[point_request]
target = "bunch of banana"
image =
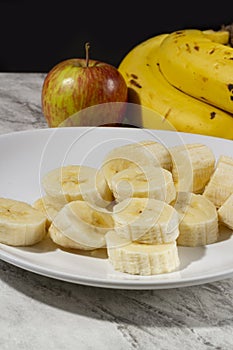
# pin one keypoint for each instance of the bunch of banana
(196, 65)
(182, 81)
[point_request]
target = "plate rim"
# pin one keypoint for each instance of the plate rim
(120, 283)
(113, 284)
(137, 129)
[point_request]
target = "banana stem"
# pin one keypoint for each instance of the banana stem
(229, 28)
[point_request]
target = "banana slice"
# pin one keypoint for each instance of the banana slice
(141, 259)
(220, 186)
(77, 182)
(59, 239)
(192, 166)
(225, 212)
(159, 152)
(135, 154)
(81, 222)
(147, 181)
(20, 223)
(48, 206)
(198, 220)
(146, 220)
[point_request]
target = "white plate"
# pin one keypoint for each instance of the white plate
(25, 156)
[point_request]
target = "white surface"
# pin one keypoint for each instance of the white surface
(32, 153)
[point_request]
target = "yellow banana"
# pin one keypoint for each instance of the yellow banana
(198, 66)
(162, 105)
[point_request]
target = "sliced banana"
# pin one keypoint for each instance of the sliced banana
(135, 154)
(146, 220)
(192, 166)
(77, 182)
(81, 222)
(198, 220)
(61, 240)
(141, 259)
(159, 152)
(220, 186)
(48, 206)
(146, 181)
(225, 212)
(20, 223)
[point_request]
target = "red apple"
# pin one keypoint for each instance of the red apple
(75, 84)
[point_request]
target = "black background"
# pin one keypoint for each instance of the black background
(36, 35)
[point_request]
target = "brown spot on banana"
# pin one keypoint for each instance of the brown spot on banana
(166, 115)
(135, 83)
(179, 33)
(230, 88)
(211, 51)
(212, 115)
(188, 47)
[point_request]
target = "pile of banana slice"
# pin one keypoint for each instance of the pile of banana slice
(142, 203)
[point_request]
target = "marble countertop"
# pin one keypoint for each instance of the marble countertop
(38, 313)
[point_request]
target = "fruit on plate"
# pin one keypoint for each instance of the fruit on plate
(162, 104)
(141, 235)
(77, 182)
(146, 220)
(193, 165)
(48, 206)
(82, 223)
(198, 220)
(75, 84)
(196, 65)
(225, 212)
(139, 258)
(20, 223)
(144, 182)
(220, 186)
(145, 152)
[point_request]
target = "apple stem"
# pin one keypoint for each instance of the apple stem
(87, 47)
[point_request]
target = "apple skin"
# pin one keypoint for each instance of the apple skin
(72, 86)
